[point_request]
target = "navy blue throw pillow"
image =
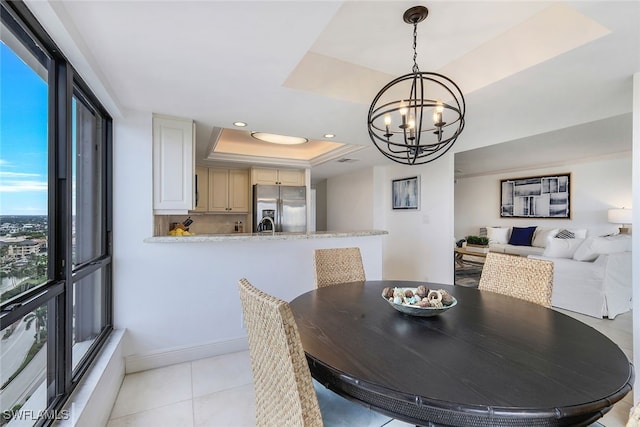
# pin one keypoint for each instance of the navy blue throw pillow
(521, 236)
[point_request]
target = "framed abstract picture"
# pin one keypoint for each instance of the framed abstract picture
(405, 193)
(536, 197)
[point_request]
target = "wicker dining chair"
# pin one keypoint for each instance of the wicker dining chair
(520, 277)
(634, 417)
(286, 394)
(283, 387)
(338, 265)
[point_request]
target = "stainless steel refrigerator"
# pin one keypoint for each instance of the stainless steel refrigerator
(286, 205)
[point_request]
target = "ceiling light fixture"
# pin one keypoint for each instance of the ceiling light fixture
(416, 117)
(239, 124)
(329, 135)
(278, 139)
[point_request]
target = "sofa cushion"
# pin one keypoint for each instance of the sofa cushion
(593, 247)
(580, 233)
(562, 248)
(498, 235)
(522, 236)
(565, 234)
(504, 248)
(574, 233)
(542, 236)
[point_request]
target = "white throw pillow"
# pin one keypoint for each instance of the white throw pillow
(542, 236)
(498, 235)
(593, 247)
(562, 248)
(580, 233)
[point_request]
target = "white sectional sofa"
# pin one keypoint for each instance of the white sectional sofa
(505, 248)
(592, 272)
(500, 239)
(601, 288)
(591, 276)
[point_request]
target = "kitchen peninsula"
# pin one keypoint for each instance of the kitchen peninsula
(264, 236)
(200, 275)
(187, 285)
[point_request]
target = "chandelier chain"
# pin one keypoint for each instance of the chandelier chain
(415, 45)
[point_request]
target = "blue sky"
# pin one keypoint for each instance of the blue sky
(23, 137)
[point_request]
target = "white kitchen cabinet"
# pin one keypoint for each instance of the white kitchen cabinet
(173, 165)
(290, 177)
(201, 201)
(270, 176)
(228, 190)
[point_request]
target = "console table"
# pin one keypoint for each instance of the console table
(461, 252)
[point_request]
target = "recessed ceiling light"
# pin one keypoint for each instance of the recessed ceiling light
(278, 139)
(329, 135)
(239, 124)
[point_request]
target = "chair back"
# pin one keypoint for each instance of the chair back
(338, 265)
(634, 417)
(282, 381)
(520, 277)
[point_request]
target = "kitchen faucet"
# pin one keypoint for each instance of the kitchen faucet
(273, 226)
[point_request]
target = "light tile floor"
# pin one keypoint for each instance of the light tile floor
(218, 391)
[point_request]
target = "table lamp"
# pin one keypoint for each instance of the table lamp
(620, 216)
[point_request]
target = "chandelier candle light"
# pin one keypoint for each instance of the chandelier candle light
(416, 117)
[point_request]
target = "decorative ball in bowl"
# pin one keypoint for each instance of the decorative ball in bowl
(420, 301)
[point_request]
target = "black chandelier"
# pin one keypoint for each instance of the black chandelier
(416, 117)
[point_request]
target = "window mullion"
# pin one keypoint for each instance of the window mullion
(60, 354)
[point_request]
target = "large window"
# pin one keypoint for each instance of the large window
(55, 223)
(24, 165)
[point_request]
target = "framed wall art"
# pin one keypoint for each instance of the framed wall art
(536, 197)
(405, 193)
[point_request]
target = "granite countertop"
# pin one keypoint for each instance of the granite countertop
(262, 236)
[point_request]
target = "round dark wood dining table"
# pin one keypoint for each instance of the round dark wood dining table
(491, 360)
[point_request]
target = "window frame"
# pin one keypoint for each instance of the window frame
(57, 292)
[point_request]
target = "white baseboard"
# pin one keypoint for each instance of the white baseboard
(159, 359)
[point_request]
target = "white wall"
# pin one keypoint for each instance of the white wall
(636, 237)
(321, 205)
(595, 187)
(350, 201)
(419, 244)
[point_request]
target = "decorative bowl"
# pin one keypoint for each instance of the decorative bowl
(414, 310)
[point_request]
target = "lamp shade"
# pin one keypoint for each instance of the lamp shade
(620, 216)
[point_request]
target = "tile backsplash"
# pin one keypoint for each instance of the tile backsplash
(202, 223)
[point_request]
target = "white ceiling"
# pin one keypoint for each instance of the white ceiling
(606, 138)
(532, 72)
